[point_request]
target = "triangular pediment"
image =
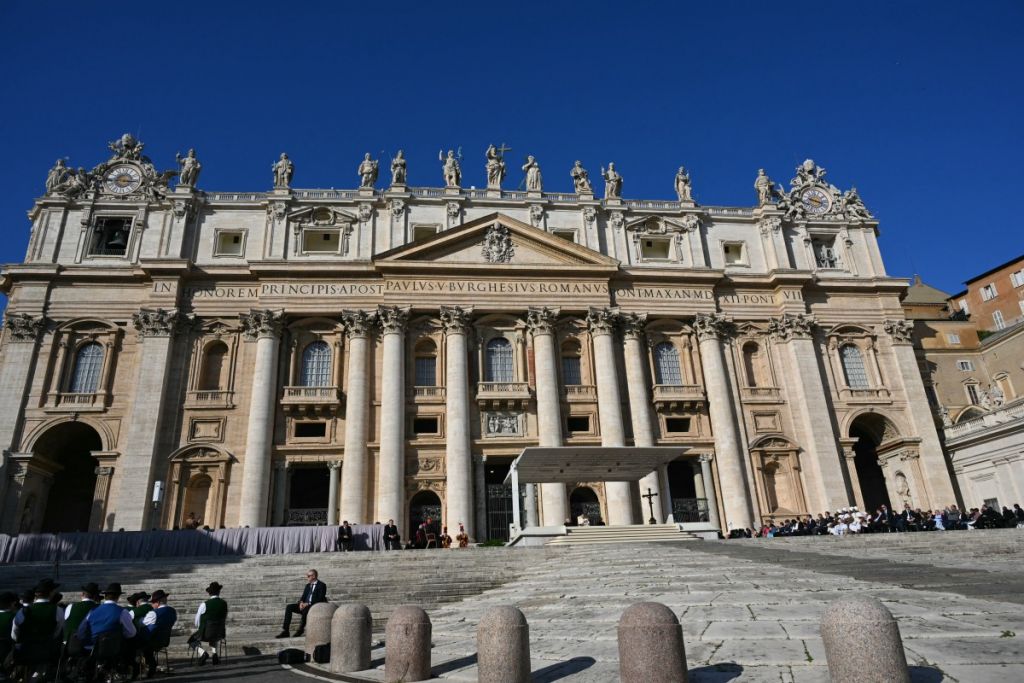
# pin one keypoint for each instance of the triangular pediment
(496, 241)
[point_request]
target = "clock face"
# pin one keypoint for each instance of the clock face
(815, 201)
(123, 179)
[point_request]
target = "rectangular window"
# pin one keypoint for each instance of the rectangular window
(229, 243)
(988, 292)
(972, 394)
(571, 374)
(426, 372)
(1017, 278)
(1021, 304)
(965, 365)
(310, 430)
(321, 241)
(567, 235)
(677, 425)
(425, 425)
(825, 253)
(110, 236)
(997, 319)
(654, 249)
(422, 232)
(577, 424)
(734, 255)
(952, 338)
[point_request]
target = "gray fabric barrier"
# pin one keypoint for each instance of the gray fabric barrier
(145, 545)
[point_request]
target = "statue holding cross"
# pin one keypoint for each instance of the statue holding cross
(496, 166)
(650, 496)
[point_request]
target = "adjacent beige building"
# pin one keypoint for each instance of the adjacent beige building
(305, 356)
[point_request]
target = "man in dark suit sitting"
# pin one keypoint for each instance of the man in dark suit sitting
(392, 540)
(314, 592)
(345, 536)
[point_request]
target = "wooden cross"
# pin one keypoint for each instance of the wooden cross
(503, 149)
(650, 496)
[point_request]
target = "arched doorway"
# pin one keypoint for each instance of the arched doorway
(65, 482)
(871, 430)
(583, 501)
(423, 506)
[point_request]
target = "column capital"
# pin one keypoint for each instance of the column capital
(705, 458)
(712, 326)
(358, 323)
(159, 322)
(456, 320)
(261, 323)
(602, 320)
(788, 326)
(22, 327)
(633, 325)
(770, 224)
(542, 320)
(334, 464)
(901, 331)
(392, 319)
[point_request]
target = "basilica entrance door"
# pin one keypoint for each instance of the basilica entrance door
(869, 472)
(424, 505)
(686, 506)
(583, 501)
(308, 495)
(67, 449)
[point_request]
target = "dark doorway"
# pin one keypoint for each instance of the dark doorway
(424, 505)
(869, 431)
(69, 504)
(499, 501)
(686, 506)
(583, 501)
(308, 494)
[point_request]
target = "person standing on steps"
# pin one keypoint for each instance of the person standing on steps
(314, 592)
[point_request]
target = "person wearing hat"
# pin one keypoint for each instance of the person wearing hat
(158, 622)
(140, 607)
(215, 609)
(106, 617)
(9, 603)
(37, 628)
(77, 611)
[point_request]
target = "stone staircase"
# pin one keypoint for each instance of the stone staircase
(591, 535)
(258, 588)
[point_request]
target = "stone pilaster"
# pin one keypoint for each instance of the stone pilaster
(732, 466)
(104, 475)
(358, 326)
(810, 404)
(391, 471)
(16, 366)
(640, 401)
(541, 322)
(458, 456)
(480, 489)
(264, 327)
(601, 323)
(139, 462)
(280, 492)
(709, 490)
(334, 472)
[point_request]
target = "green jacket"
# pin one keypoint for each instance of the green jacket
(79, 611)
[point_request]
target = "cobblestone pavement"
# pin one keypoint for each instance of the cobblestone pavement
(750, 610)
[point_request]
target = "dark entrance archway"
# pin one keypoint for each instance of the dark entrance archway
(424, 505)
(686, 506)
(67, 449)
(870, 431)
(583, 501)
(308, 495)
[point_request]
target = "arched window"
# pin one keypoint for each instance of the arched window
(572, 373)
(853, 367)
(316, 365)
(85, 378)
(666, 364)
(498, 361)
(426, 364)
(213, 367)
(751, 361)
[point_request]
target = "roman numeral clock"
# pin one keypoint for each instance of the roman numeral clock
(122, 179)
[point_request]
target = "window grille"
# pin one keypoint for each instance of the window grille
(86, 376)
(426, 371)
(666, 365)
(853, 368)
(498, 361)
(571, 373)
(316, 365)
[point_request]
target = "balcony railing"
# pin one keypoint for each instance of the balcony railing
(307, 517)
(580, 392)
(766, 394)
(89, 401)
(209, 398)
(499, 394)
(1005, 413)
(864, 395)
(428, 394)
(314, 398)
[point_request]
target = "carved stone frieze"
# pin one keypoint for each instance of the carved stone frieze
(365, 212)
(158, 322)
(616, 219)
(392, 319)
(502, 423)
(589, 214)
(799, 326)
(456, 320)
(22, 327)
(536, 215)
(453, 209)
(261, 323)
(712, 326)
(901, 331)
(602, 320)
(769, 225)
(397, 207)
(541, 320)
(358, 323)
(497, 246)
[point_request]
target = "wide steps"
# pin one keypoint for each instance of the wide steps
(594, 535)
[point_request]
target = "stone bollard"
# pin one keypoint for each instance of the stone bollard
(318, 625)
(503, 647)
(350, 639)
(863, 643)
(407, 646)
(651, 645)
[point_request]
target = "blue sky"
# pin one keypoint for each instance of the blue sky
(917, 104)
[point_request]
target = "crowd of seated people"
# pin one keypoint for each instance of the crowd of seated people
(883, 520)
(44, 637)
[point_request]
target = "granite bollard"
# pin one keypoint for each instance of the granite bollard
(651, 645)
(863, 643)
(407, 646)
(318, 625)
(503, 646)
(351, 630)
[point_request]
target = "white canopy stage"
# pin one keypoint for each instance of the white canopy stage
(569, 464)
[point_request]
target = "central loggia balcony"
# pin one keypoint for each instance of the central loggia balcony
(579, 393)
(871, 395)
(210, 398)
(678, 396)
(503, 394)
(78, 402)
(311, 399)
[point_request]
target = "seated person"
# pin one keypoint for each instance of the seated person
(109, 617)
(76, 612)
(345, 536)
(392, 539)
(9, 603)
(37, 628)
(213, 610)
(159, 622)
(314, 591)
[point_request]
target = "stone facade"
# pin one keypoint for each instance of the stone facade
(303, 356)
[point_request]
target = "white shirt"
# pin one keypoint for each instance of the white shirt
(202, 609)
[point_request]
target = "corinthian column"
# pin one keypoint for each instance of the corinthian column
(458, 458)
(728, 449)
(156, 329)
(640, 400)
(391, 482)
(265, 327)
(541, 321)
(601, 323)
(357, 409)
